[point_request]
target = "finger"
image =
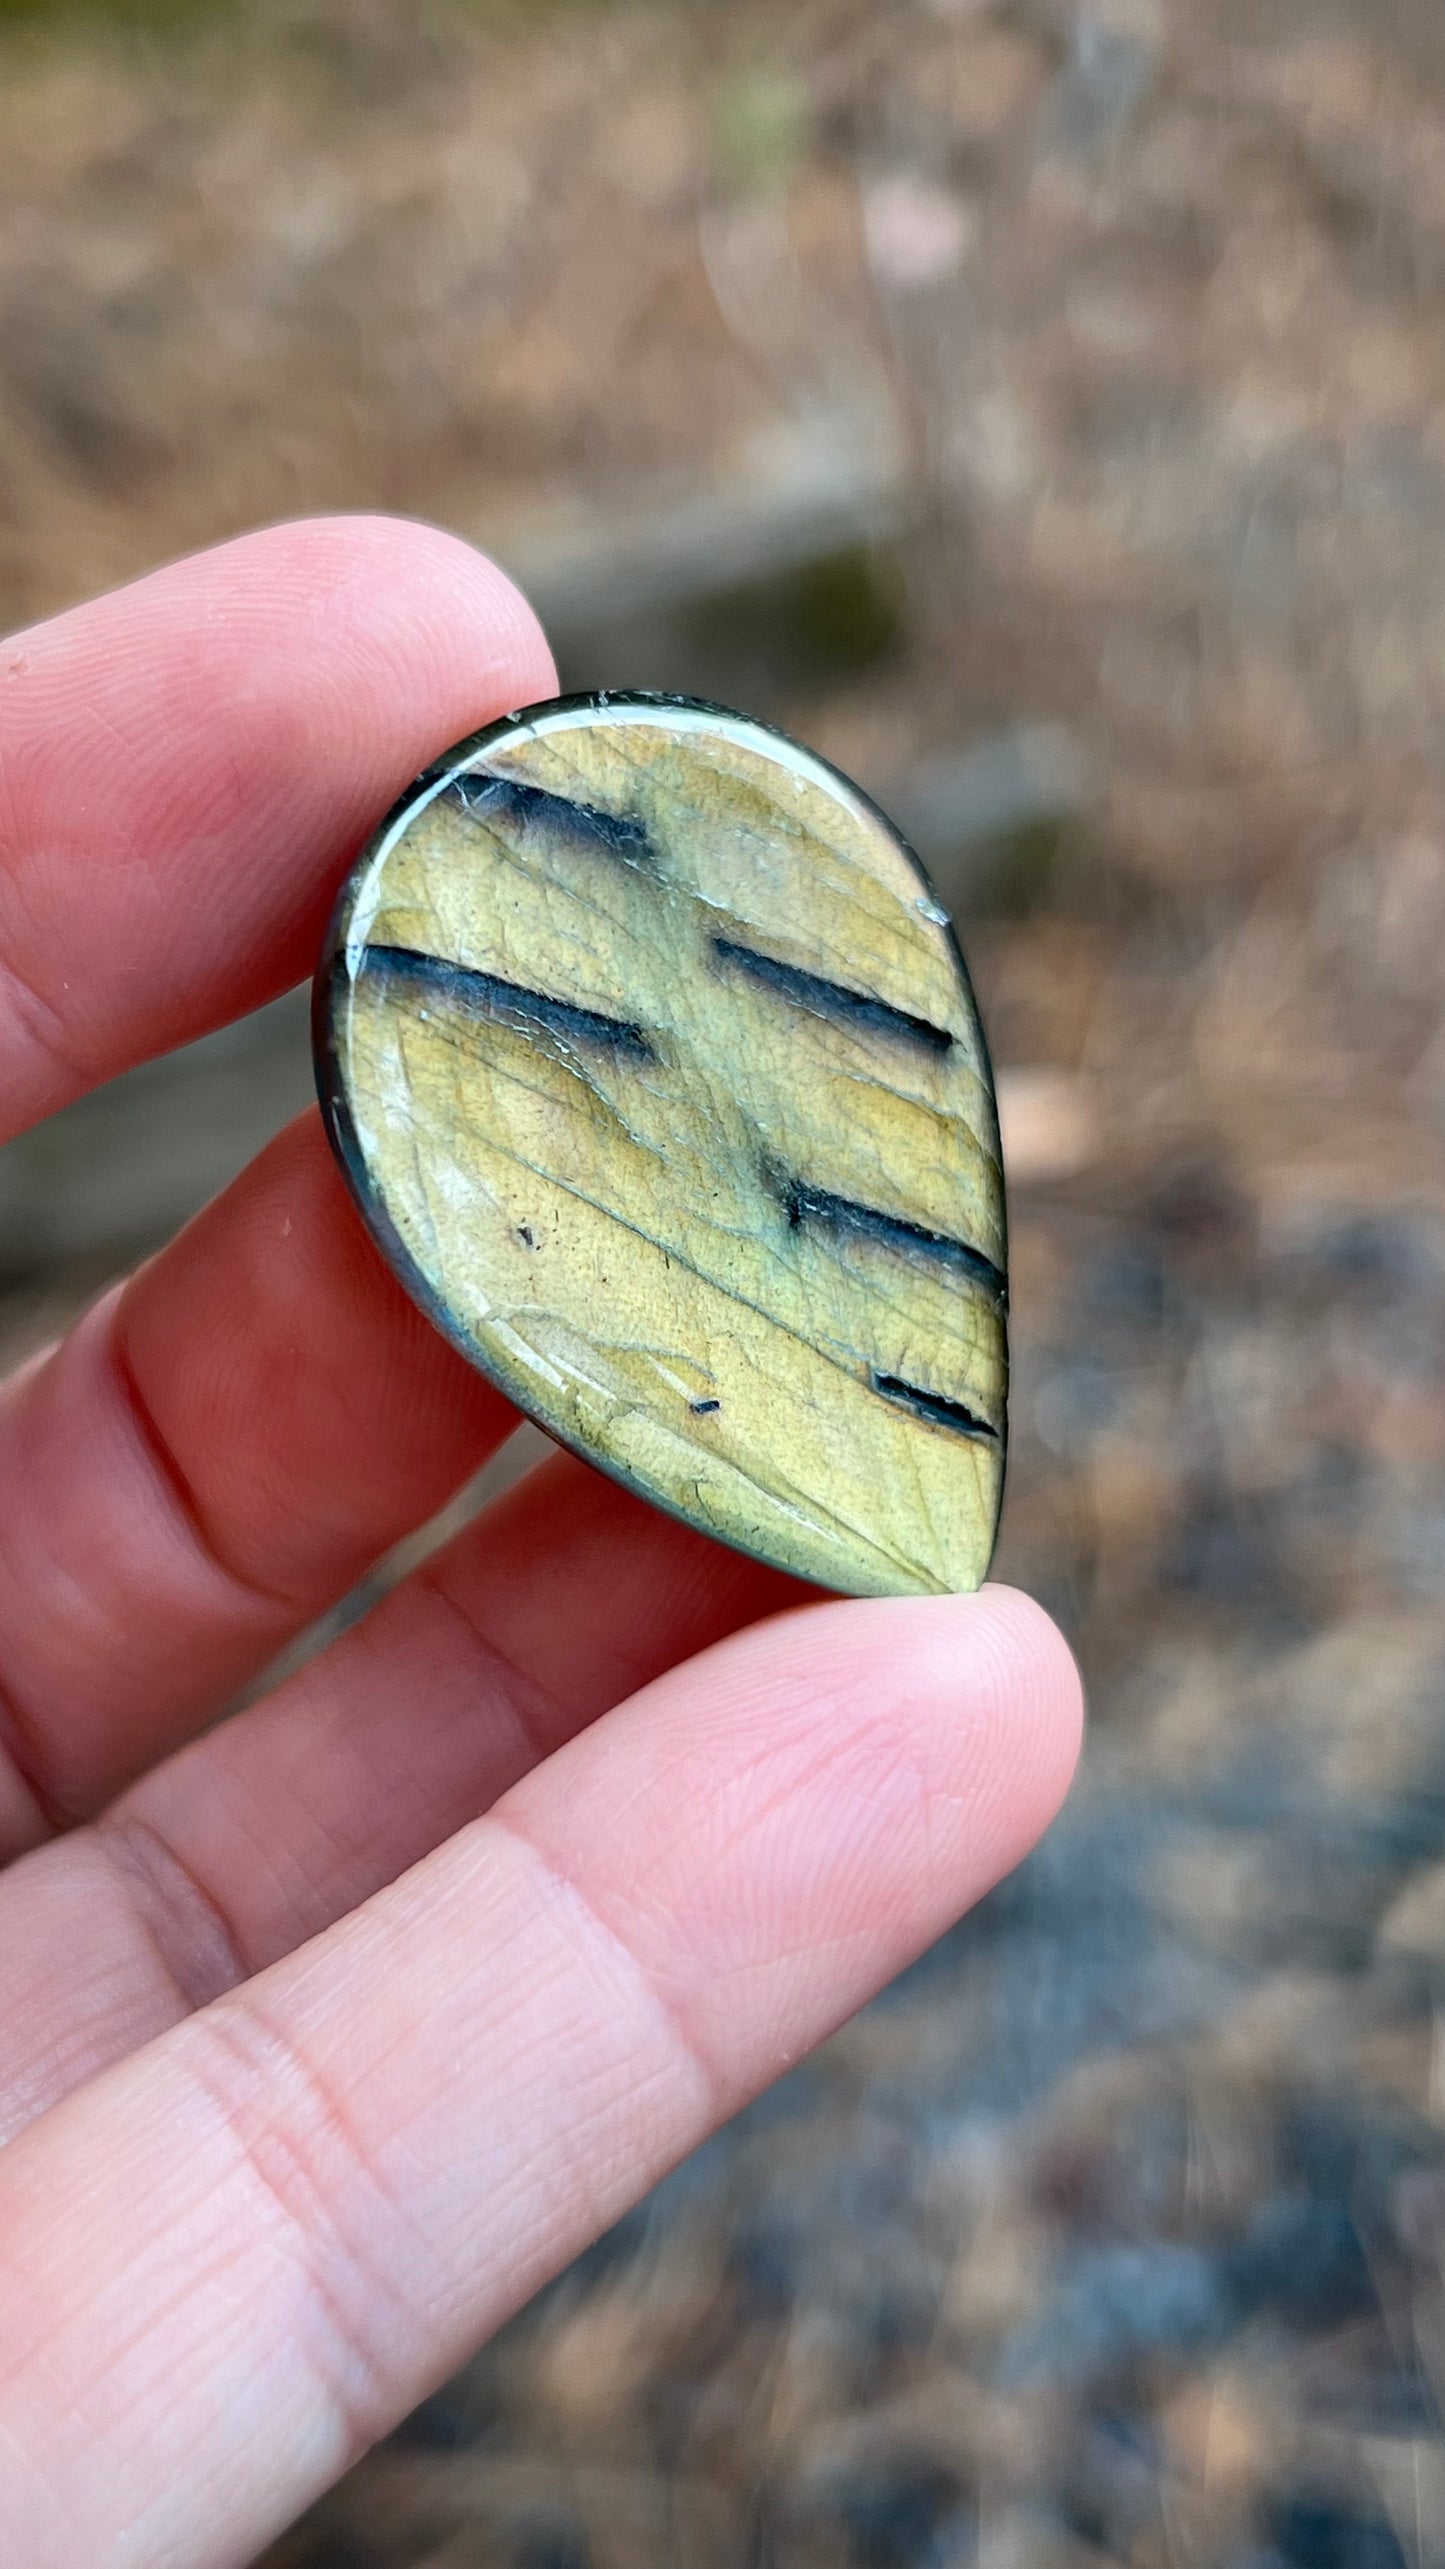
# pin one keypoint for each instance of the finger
(188, 763)
(207, 1462)
(284, 1819)
(234, 2260)
(186, 767)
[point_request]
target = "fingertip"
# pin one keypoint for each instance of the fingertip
(441, 590)
(982, 1665)
(1027, 1697)
(975, 1700)
(1019, 1648)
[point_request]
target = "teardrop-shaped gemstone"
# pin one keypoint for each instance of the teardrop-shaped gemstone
(654, 1068)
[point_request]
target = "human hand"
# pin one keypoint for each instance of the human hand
(328, 2034)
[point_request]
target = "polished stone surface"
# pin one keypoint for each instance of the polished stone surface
(654, 1068)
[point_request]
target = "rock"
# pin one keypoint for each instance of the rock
(741, 590)
(654, 1070)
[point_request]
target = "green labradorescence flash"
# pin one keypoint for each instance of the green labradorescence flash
(654, 1068)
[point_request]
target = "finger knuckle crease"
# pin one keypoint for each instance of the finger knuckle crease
(188, 1928)
(300, 2148)
(175, 1480)
(531, 1705)
(660, 2001)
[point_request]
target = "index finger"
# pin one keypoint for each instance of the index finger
(187, 764)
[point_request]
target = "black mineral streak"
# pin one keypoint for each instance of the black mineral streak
(805, 1204)
(935, 1407)
(482, 994)
(501, 798)
(852, 1008)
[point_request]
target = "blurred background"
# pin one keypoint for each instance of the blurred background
(1037, 405)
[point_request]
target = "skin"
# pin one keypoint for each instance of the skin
(329, 2032)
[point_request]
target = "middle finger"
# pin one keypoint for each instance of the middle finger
(563, 1599)
(203, 1466)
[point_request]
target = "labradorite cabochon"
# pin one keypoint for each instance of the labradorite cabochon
(653, 1066)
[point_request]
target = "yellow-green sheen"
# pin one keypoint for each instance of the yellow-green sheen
(654, 1067)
